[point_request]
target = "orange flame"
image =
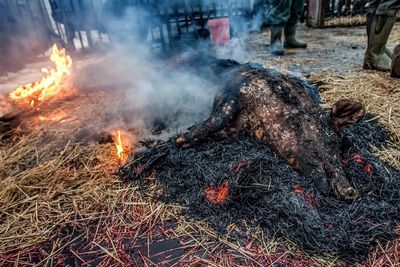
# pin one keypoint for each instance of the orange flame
(35, 93)
(119, 146)
(217, 195)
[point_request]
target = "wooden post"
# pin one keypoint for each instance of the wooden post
(315, 13)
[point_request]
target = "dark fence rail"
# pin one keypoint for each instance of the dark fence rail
(88, 23)
(163, 20)
(334, 13)
(345, 12)
(25, 30)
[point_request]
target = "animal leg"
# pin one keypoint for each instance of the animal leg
(226, 108)
(340, 184)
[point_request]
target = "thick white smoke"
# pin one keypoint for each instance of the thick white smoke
(159, 92)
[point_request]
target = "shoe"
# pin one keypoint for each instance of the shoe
(276, 40)
(376, 57)
(395, 72)
(290, 38)
(370, 18)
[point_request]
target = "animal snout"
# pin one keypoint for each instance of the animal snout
(340, 183)
(348, 194)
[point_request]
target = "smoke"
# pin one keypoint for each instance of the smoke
(160, 93)
(241, 28)
(163, 93)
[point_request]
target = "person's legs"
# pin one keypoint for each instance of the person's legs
(371, 10)
(279, 13)
(296, 10)
(379, 27)
(278, 16)
(388, 6)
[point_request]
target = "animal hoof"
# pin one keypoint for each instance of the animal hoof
(180, 140)
(349, 194)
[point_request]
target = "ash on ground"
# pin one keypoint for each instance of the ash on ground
(265, 192)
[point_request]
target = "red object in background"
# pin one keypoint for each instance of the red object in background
(217, 195)
(219, 29)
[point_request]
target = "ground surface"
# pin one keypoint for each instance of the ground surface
(61, 202)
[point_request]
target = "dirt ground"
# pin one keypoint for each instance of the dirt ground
(52, 195)
(334, 49)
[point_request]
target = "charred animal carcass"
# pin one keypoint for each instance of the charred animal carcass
(277, 110)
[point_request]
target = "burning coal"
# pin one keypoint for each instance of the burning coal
(217, 195)
(33, 94)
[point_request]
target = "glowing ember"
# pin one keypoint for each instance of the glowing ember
(368, 168)
(240, 166)
(35, 93)
(217, 195)
(119, 146)
(358, 158)
(298, 189)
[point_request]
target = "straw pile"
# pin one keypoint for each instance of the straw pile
(379, 93)
(60, 199)
(62, 202)
(347, 21)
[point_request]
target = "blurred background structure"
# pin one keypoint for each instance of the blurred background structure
(32, 25)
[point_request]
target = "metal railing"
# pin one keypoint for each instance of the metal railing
(345, 12)
(84, 23)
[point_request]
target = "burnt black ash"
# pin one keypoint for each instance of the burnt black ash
(268, 193)
(265, 191)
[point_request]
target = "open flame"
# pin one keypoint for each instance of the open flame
(120, 146)
(50, 85)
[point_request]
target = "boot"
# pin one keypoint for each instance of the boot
(395, 73)
(375, 56)
(370, 18)
(276, 40)
(290, 38)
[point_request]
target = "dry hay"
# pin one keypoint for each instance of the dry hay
(354, 20)
(395, 35)
(54, 190)
(379, 93)
(62, 202)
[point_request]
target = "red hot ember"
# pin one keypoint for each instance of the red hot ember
(217, 195)
(358, 158)
(240, 166)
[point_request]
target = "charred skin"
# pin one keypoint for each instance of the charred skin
(278, 111)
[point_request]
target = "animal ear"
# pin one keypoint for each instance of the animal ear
(346, 112)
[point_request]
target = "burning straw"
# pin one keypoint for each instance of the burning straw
(60, 198)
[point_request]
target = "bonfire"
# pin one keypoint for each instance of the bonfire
(73, 195)
(51, 85)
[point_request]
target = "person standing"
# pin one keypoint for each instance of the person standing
(283, 16)
(381, 17)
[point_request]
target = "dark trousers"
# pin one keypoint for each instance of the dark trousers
(285, 12)
(384, 7)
